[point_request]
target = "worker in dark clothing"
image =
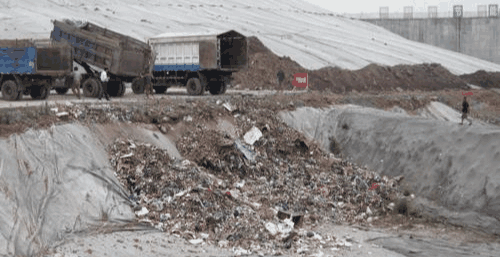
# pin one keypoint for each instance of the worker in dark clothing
(104, 81)
(465, 111)
(149, 85)
(280, 77)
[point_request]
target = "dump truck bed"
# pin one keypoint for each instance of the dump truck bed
(24, 57)
(220, 50)
(92, 44)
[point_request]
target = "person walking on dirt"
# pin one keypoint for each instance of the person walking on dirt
(75, 87)
(465, 111)
(104, 81)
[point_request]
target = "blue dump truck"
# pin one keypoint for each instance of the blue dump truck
(30, 69)
(200, 61)
(97, 48)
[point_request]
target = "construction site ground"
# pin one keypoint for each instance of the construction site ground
(180, 158)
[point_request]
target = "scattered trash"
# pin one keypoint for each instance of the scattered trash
(62, 114)
(228, 107)
(252, 135)
(142, 212)
(250, 194)
(368, 211)
(239, 251)
(196, 241)
(127, 155)
(248, 153)
(273, 229)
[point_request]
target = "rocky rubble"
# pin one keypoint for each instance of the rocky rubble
(218, 196)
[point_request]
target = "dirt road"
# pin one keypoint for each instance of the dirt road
(130, 97)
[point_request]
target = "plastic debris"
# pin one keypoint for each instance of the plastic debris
(228, 107)
(244, 150)
(142, 212)
(62, 114)
(196, 241)
(252, 135)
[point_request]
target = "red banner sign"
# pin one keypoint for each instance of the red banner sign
(469, 93)
(300, 80)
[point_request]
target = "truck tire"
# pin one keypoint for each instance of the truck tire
(92, 87)
(138, 86)
(122, 90)
(115, 87)
(217, 88)
(10, 91)
(61, 90)
(40, 92)
(160, 90)
(194, 86)
(27, 91)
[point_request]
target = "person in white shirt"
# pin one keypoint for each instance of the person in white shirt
(104, 81)
(75, 87)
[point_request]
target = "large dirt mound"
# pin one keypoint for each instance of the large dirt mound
(483, 79)
(264, 65)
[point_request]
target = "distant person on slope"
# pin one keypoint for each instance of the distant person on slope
(280, 76)
(465, 111)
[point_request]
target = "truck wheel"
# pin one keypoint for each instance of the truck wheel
(122, 90)
(91, 87)
(138, 86)
(194, 86)
(10, 91)
(217, 88)
(160, 90)
(44, 90)
(27, 91)
(40, 92)
(61, 90)
(114, 88)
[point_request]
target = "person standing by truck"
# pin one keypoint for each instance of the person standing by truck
(104, 81)
(75, 87)
(149, 85)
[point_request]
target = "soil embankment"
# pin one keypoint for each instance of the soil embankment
(264, 65)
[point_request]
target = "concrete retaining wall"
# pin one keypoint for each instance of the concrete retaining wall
(476, 37)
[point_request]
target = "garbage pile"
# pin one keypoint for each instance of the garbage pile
(254, 194)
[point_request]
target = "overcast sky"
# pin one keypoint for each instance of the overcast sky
(367, 6)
